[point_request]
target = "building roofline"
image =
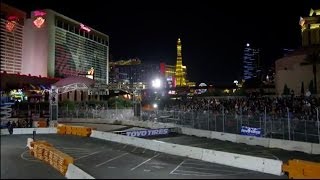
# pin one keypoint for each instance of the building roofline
(74, 21)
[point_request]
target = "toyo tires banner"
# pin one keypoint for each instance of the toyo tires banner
(147, 132)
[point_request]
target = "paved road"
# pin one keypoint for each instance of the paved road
(226, 146)
(17, 163)
(105, 159)
(259, 151)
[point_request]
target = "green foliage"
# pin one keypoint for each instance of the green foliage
(302, 88)
(240, 92)
(311, 89)
(286, 90)
(119, 102)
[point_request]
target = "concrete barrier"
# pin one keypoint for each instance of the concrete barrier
(181, 150)
(315, 148)
(4, 132)
(243, 161)
(196, 132)
(290, 145)
(74, 172)
(251, 140)
(235, 160)
(224, 136)
(38, 130)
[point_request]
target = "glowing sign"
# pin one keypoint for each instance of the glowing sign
(10, 25)
(90, 73)
(82, 26)
(39, 13)
(38, 22)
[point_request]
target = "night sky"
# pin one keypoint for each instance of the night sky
(213, 33)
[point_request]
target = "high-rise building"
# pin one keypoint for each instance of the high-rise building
(180, 73)
(11, 38)
(250, 62)
(57, 46)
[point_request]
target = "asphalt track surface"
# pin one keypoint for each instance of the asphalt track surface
(214, 144)
(105, 159)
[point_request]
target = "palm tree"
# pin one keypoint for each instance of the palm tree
(313, 58)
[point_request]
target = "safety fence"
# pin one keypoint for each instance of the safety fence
(287, 127)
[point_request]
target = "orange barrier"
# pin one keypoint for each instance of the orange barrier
(74, 130)
(46, 152)
(300, 169)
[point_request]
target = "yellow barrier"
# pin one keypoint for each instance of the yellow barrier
(74, 130)
(46, 152)
(300, 169)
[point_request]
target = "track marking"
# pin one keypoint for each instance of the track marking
(112, 159)
(144, 150)
(24, 158)
(208, 169)
(87, 155)
(144, 162)
(186, 174)
(177, 167)
(134, 149)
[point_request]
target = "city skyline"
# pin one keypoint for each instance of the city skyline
(213, 36)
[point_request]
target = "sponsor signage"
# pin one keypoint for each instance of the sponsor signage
(147, 132)
(250, 131)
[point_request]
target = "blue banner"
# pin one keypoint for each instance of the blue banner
(250, 131)
(148, 132)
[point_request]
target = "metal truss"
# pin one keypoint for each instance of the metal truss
(72, 87)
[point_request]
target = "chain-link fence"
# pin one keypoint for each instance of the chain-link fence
(288, 126)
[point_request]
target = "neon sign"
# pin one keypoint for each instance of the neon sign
(10, 25)
(39, 13)
(82, 26)
(38, 22)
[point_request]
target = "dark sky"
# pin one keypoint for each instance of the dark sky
(213, 33)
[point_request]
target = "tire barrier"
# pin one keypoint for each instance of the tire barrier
(46, 152)
(299, 169)
(74, 130)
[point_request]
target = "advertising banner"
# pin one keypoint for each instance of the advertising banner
(148, 132)
(250, 131)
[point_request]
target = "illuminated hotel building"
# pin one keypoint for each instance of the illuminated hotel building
(310, 28)
(57, 46)
(250, 62)
(180, 73)
(11, 36)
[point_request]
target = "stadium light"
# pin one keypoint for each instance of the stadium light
(156, 83)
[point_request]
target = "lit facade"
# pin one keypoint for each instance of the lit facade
(180, 73)
(250, 62)
(136, 73)
(57, 46)
(290, 70)
(310, 28)
(11, 38)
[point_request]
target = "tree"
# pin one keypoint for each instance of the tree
(313, 58)
(311, 86)
(286, 90)
(302, 88)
